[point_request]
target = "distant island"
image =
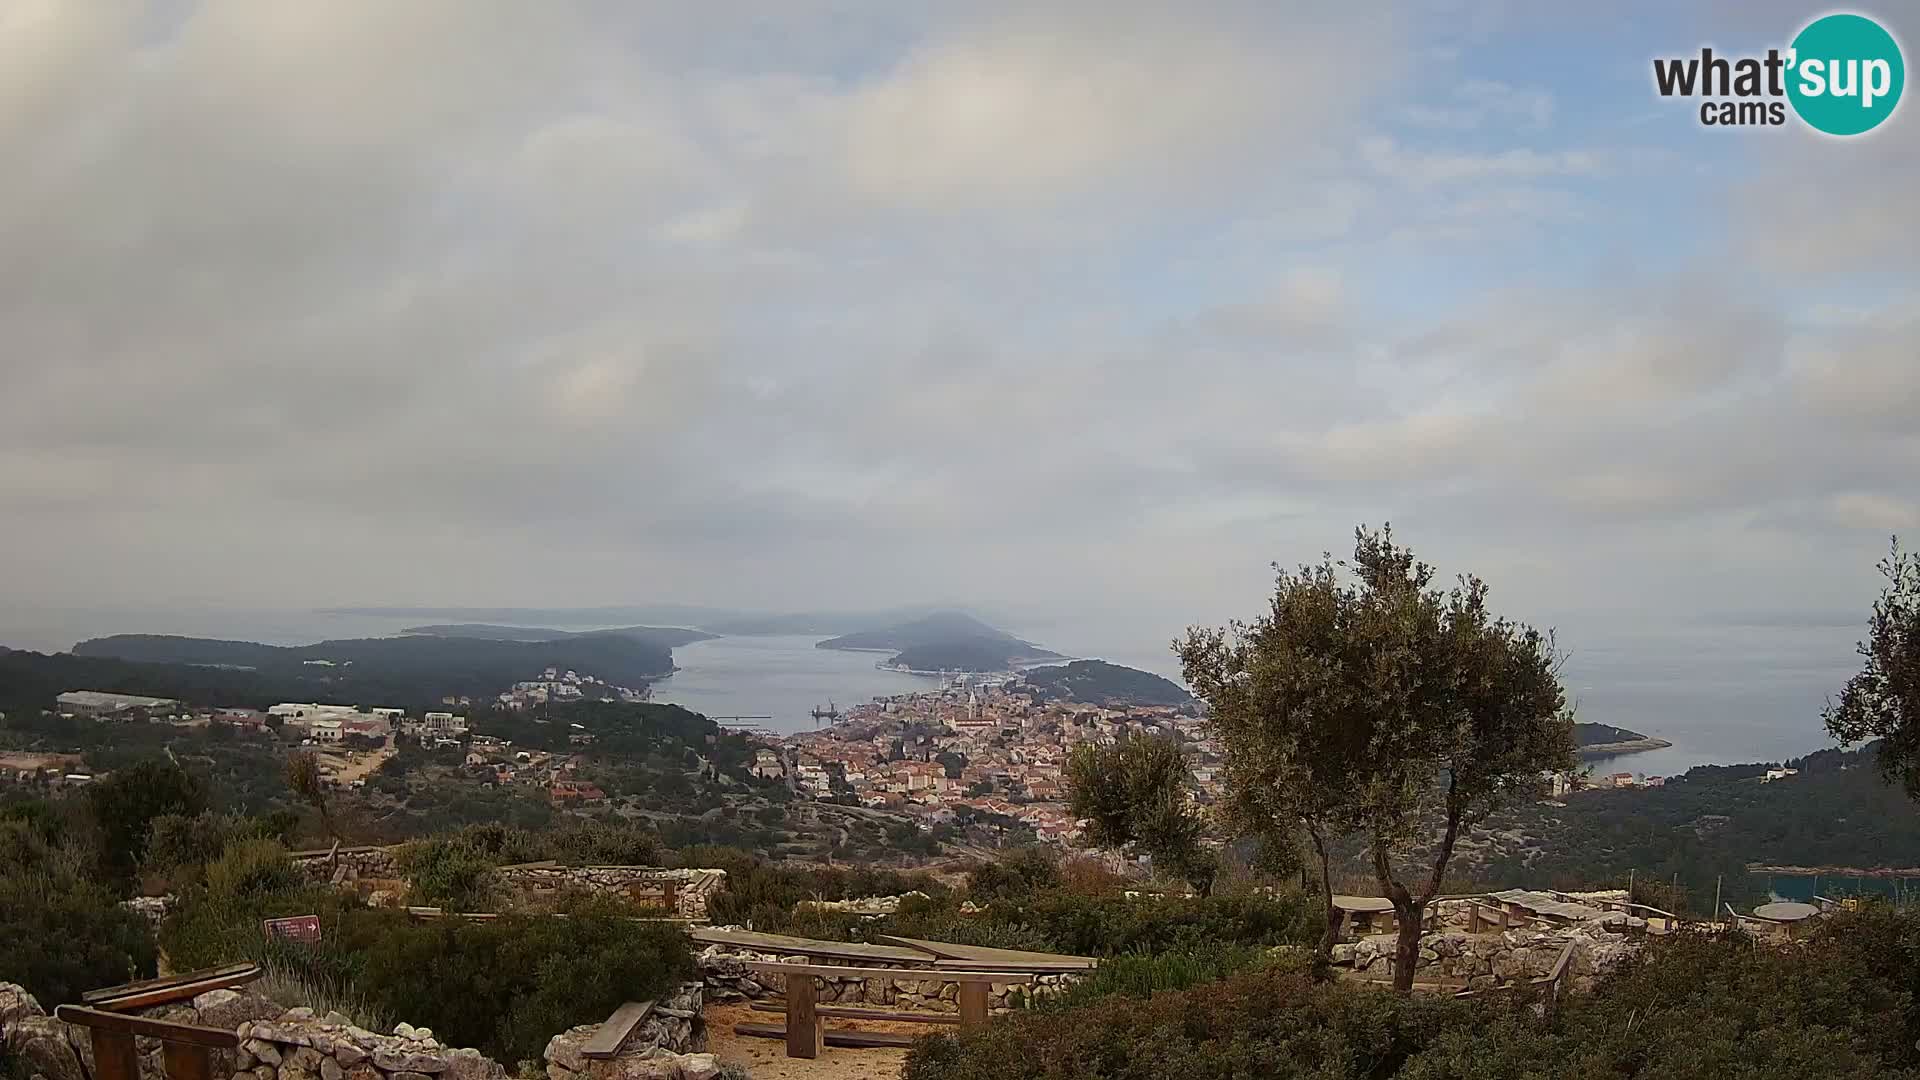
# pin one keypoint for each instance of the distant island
(1104, 684)
(670, 636)
(944, 641)
(1604, 740)
(407, 667)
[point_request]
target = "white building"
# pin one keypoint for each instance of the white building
(331, 731)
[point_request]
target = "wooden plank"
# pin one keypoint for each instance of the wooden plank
(803, 1022)
(250, 970)
(100, 1020)
(939, 974)
(166, 994)
(973, 1005)
(186, 1061)
(844, 1012)
(614, 1030)
(952, 955)
(799, 946)
(114, 1055)
(866, 1040)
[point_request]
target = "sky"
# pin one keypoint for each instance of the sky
(1089, 310)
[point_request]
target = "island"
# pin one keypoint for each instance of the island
(1604, 740)
(944, 641)
(670, 636)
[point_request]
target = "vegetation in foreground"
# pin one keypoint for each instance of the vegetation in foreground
(1690, 1008)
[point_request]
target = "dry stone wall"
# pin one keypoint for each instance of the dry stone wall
(295, 1044)
(692, 887)
(729, 979)
(1484, 961)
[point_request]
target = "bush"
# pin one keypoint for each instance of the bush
(1110, 926)
(455, 874)
(508, 985)
(504, 986)
(251, 869)
(1142, 975)
(62, 935)
(1688, 1008)
(125, 804)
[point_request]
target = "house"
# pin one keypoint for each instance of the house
(328, 731)
(1778, 774)
(576, 791)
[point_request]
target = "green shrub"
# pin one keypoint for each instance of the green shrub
(62, 935)
(508, 985)
(456, 874)
(125, 804)
(1140, 975)
(1108, 926)
(1688, 1008)
(250, 869)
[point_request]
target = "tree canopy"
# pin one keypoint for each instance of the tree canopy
(1369, 701)
(1134, 796)
(1883, 700)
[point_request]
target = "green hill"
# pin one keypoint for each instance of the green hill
(1101, 683)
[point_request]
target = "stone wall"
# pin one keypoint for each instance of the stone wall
(729, 979)
(294, 1044)
(692, 887)
(348, 864)
(1483, 961)
(866, 906)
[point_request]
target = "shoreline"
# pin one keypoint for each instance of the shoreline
(1631, 746)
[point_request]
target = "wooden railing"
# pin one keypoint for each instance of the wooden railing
(186, 1050)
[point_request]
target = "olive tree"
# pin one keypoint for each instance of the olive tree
(1369, 703)
(1133, 796)
(1883, 700)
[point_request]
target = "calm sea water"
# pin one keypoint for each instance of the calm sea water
(782, 676)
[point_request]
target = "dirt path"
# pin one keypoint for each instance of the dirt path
(767, 1059)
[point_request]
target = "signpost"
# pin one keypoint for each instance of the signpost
(296, 928)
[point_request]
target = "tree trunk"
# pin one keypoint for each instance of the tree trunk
(1323, 955)
(1406, 950)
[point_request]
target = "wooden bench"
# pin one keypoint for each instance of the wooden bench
(170, 988)
(613, 1031)
(804, 1032)
(185, 1049)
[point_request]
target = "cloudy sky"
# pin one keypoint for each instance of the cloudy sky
(1097, 308)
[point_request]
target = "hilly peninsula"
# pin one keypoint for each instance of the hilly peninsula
(1602, 740)
(1100, 683)
(944, 641)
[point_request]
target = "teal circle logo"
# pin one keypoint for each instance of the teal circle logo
(1845, 74)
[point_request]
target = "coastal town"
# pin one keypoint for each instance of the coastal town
(975, 750)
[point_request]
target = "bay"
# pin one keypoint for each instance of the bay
(781, 676)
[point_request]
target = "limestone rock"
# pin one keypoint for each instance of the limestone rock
(331, 1070)
(395, 1061)
(348, 1054)
(40, 1043)
(268, 1053)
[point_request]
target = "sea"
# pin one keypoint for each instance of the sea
(1720, 693)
